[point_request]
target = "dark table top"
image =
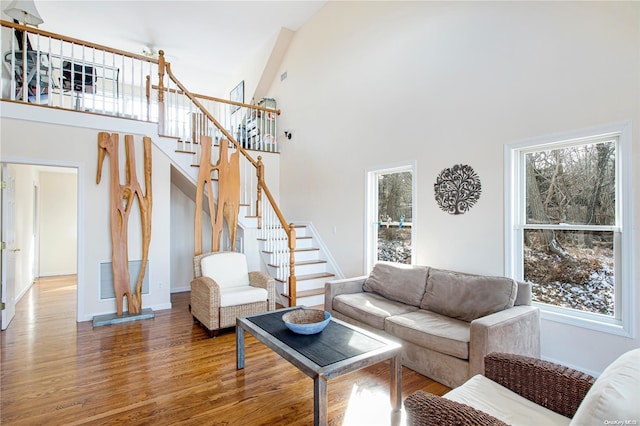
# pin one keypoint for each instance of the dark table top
(335, 343)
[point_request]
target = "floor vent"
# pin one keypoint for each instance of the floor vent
(106, 279)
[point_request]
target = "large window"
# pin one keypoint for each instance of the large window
(568, 229)
(390, 215)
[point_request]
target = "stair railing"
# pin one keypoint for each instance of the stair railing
(279, 236)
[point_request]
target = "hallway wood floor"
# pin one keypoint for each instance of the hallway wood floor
(163, 371)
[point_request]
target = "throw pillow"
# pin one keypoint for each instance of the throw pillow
(402, 284)
(614, 398)
(465, 296)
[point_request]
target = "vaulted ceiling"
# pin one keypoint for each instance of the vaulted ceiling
(207, 42)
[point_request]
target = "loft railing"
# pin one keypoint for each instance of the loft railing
(64, 72)
(68, 73)
(278, 235)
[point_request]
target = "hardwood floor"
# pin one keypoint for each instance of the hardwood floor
(162, 371)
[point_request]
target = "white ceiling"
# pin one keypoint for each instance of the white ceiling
(201, 39)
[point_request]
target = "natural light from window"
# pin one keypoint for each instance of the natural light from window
(567, 230)
(390, 215)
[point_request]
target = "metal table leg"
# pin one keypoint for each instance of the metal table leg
(239, 347)
(395, 384)
(320, 402)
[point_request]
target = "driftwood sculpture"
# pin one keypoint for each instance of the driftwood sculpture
(122, 198)
(227, 206)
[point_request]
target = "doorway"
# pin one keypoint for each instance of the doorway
(39, 227)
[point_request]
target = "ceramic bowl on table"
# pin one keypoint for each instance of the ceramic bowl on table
(306, 321)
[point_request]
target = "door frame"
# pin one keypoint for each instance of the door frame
(7, 287)
(80, 167)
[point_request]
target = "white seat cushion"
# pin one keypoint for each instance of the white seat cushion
(228, 269)
(615, 396)
(494, 399)
(232, 296)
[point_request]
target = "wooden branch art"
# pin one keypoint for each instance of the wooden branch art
(228, 202)
(122, 197)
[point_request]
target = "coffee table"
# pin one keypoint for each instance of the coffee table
(340, 348)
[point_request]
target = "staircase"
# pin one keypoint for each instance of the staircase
(312, 265)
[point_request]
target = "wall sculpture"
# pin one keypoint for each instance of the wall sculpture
(121, 203)
(227, 207)
(457, 189)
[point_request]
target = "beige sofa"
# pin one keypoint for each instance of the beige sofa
(446, 321)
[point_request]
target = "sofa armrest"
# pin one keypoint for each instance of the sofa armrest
(515, 330)
(263, 280)
(425, 409)
(344, 286)
(205, 301)
(556, 387)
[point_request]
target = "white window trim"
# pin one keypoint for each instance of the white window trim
(625, 294)
(371, 209)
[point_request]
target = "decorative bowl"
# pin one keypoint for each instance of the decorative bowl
(306, 321)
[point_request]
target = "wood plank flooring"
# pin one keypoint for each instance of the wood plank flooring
(164, 371)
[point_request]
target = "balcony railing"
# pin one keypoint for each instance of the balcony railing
(52, 70)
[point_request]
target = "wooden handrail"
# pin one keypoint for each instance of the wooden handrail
(224, 101)
(208, 114)
(272, 200)
(33, 30)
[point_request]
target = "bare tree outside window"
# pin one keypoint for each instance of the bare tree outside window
(394, 217)
(568, 237)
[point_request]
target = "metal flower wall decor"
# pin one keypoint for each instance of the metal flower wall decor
(457, 189)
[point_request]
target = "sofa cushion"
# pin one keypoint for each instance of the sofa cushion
(466, 296)
(369, 308)
(524, 294)
(433, 331)
(615, 395)
(486, 395)
(232, 296)
(404, 284)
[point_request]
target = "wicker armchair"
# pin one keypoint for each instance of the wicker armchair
(223, 289)
(520, 390)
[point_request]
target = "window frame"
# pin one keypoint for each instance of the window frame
(623, 321)
(371, 209)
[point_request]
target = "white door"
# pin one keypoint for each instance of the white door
(8, 245)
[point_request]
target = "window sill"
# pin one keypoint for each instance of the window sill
(588, 321)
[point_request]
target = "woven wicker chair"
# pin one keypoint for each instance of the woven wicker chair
(520, 390)
(555, 387)
(223, 289)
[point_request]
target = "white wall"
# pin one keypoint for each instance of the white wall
(182, 241)
(58, 199)
(444, 83)
(73, 143)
